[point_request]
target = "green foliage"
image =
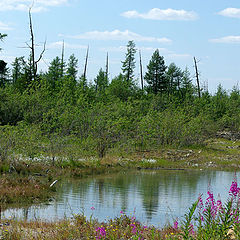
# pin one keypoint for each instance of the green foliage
(101, 82)
(11, 106)
(128, 65)
(155, 75)
(72, 68)
(187, 226)
(7, 142)
(119, 88)
(116, 116)
(54, 75)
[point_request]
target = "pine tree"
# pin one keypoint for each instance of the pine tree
(101, 81)
(72, 67)
(3, 73)
(187, 86)
(18, 69)
(156, 74)
(174, 76)
(128, 65)
(24, 71)
(55, 73)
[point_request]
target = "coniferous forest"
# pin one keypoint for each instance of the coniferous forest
(60, 107)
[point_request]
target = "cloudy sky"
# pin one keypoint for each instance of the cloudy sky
(180, 29)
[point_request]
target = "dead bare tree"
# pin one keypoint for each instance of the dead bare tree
(141, 69)
(32, 48)
(62, 61)
(197, 77)
(85, 67)
(107, 67)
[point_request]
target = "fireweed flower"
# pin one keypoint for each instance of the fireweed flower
(210, 197)
(210, 204)
(133, 219)
(219, 204)
(200, 202)
(101, 232)
(175, 225)
(234, 189)
(134, 228)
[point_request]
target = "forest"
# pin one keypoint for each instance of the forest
(47, 111)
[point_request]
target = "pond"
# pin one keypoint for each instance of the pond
(155, 197)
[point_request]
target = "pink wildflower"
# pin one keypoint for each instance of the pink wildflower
(234, 189)
(175, 225)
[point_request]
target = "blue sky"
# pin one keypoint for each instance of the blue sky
(180, 29)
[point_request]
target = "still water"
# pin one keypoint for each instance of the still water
(154, 197)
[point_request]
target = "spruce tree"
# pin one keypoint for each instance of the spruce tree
(156, 74)
(128, 65)
(55, 73)
(174, 76)
(101, 81)
(18, 69)
(72, 67)
(3, 73)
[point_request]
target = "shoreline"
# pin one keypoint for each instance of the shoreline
(35, 177)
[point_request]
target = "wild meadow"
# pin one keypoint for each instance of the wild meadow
(58, 123)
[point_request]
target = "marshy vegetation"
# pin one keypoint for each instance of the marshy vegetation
(57, 122)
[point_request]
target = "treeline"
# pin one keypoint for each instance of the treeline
(118, 115)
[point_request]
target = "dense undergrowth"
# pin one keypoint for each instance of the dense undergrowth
(38, 122)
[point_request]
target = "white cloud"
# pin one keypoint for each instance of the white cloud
(162, 14)
(23, 5)
(163, 51)
(230, 12)
(227, 39)
(151, 49)
(113, 49)
(178, 55)
(59, 44)
(124, 48)
(120, 36)
(4, 27)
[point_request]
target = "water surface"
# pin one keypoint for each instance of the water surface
(154, 197)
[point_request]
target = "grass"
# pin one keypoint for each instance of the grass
(123, 227)
(16, 189)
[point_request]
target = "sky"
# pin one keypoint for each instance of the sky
(180, 29)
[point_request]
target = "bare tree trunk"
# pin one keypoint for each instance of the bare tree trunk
(85, 67)
(107, 67)
(197, 77)
(128, 73)
(62, 60)
(141, 69)
(32, 47)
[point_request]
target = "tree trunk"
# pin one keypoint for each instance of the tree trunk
(197, 77)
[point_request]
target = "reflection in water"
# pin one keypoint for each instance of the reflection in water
(156, 197)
